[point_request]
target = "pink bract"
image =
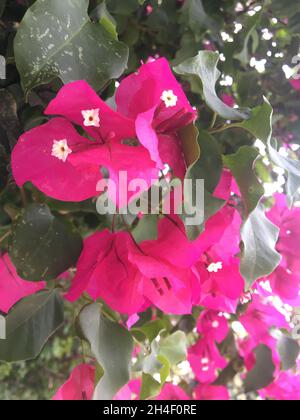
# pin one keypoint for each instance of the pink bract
(128, 276)
(12, 287)
(80, 385)
(140, 138)
(211, 393)
(205, 360)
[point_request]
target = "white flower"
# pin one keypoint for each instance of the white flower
(91, 118)
(215, 267)
(61, 150)
(169, 98)
(215, 324)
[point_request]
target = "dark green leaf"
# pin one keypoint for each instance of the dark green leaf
(242, 166)
(199, 170)
(250, 27)
(146, 229)
(112, 346)
(43, 246)
(30, 324)
(198, 20)
(204, 67)
(2, 7)
(263, 372)
(260, 126)
(150, 387)
(57, 39)
(260, 122)
(259, 257)
(209, 165)
(289, 350)
(291, 166)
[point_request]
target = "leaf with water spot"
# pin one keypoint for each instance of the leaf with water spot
(57, 39)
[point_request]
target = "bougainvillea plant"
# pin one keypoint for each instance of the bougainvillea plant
(149, 187)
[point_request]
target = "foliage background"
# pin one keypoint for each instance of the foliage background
(149, 28)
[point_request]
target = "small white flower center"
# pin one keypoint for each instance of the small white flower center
(215, 267)
(205, 361)
(91, 118)
(61, 150)
(169, 98)
(215, 324)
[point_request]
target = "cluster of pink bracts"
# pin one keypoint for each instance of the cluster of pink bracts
(171, 273)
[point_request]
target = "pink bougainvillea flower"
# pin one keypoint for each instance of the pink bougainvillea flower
(289, 238)
(104, 271)
(286, 285)
(260, 317)
(66, 165)
(140, 138)
(228, 100)
(205, 360)
(211, 393)
(172, 392)
(295, 83)
(213, 324)
(130, 391)
(80, 385)
(222, 284)
(128, 276)
(286, 387)
(12, 287)
(155, 100)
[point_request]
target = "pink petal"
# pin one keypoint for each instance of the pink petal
(80, 385)
(32, 161)
(12, 287)
(211, 393)
(76, 97)
(140, 92)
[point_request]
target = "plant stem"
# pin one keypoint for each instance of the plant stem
(5, 236)
(223, 128)
(214, 119)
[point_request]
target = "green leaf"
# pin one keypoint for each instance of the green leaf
(289, 350)
(57, 39)
(197, 18)
(150, 330)
(30, 324)
(250, 29)
(174, 348)
(260, 126)
(291, 166)
(165, 353)
(112, 346)
(123, 7)
(204, 67)
(150, 387)
(43, 246)
(242, 165)
(263, 372)
(259, 257)
(260, 122)
(210, 165)
(2, 7)
(147, 228)
(204, 163)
